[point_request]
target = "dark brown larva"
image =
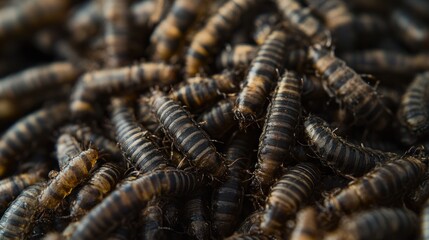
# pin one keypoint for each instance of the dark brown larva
(306, 227)
(296, 59)
(413, 112)
(411, 31)
(86, 136)
(264, 24)
(118, 81)
(67, 179)
(38, 80)
(17, 221)
(123, 201)
(84, 22)
(300, 18)
(201, 92)
(382, 62)
(134, 141)
(349, 89)
(101, 182)
(152, 220)
(241, 55)
(220, 25)
(11, 187)
(261, 77)
(338, 19)
(195, 215)
(169, 34)
(289, 194)
(382, 223)
(227, 198)
(219, 119)
(383, 183)
(187, 136)
(26, 17)
(116, 31)
(67, 148)
(278, 132)
(342, 156)
(35, 126)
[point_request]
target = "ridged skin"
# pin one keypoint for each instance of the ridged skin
(278, 133)
(381, 223)
(68, 178)
(24, 132)
(413, 112)
(123, 201)
(261, 77)
(208, 39)
(17, 221)
(116, 31)
(383, 183)
(102, 182)
(343, 157)
(287, 195)
(169, 34)
(187, 136)
(117, 81)
(301, 18)
(349, 89)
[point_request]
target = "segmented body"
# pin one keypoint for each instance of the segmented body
(117, 81)
(187, 136)
(227, 198)
(381, 184)
(241, 55)
(349, 89)
(261, 77)
(195, 215)
(134, 141)
(29, 16)
(132, 196)
(287, 195)
(219, 119)
(263, 26)
(301, 18)
(385, 62)
(342, 156)
(382, 223)
(413, 112)
(278, 133)
(338, 19)
(37, 80)
(207, 40)
(67, 179)
(67, 148)
(102, 181)
(116, 31)
(17, 221)
(24, 132)
(169, 34)
(11, 187)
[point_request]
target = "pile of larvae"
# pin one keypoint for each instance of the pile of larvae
(205, 119)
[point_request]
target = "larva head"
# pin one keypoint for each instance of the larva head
(91, 154)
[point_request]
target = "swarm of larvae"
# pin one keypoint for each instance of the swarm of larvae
(214, 119)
